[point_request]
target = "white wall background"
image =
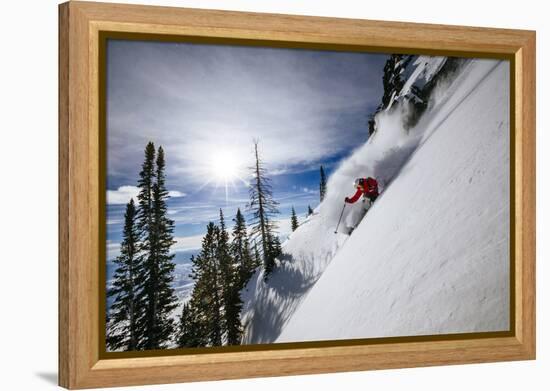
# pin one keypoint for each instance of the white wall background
(28, 156)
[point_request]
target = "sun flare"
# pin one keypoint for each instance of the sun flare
(225, 170)
(224, 167)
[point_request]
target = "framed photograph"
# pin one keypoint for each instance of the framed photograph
(246, 195)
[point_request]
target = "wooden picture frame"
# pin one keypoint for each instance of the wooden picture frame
(81, 24)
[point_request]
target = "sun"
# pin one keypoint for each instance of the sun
(224, 167)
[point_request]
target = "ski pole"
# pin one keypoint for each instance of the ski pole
(340, 219)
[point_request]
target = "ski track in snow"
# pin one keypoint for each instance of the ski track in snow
(431, 256)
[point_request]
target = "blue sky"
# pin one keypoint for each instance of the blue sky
(205, 104)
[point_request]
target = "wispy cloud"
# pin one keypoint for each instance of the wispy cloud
(176, 194)
(204, 99)
(123, 194)
(309, 191)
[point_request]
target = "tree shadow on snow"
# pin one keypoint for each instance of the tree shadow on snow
(279, 297)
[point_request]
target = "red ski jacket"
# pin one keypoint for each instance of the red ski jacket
(368, 187)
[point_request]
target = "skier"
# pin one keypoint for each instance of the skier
(368, 187)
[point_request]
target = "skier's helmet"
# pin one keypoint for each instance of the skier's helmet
(358, 182)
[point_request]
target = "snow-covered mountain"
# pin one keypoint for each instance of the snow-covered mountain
(419, 72)
(431, 256)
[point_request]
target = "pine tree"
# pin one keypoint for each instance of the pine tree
(309, 210)
(257, 257)
(157, 327)
(393, 84)
(167, 300)
(206, 295)
(240, 250)
(263, 208)
(190, 334)
(293, 220)
(122, 333)
(145, 228)
(392, 80)
(322, 184)
(372, 121)
(230, 285)
(193, 329)
(145, 198)
(273, 251)
(212, 315)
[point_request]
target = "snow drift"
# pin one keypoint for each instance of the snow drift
(413, 266)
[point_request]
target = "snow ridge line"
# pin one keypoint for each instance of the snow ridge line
(427, 135)
(476, 86)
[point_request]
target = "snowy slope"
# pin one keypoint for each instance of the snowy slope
(431, 256)
(267, 307)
